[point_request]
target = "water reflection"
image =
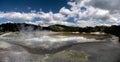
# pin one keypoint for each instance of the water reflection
(50, 39)
(58, 47)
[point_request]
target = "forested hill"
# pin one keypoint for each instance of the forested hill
(12, 27)
(115, 30)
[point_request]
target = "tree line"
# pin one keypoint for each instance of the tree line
(13, 27)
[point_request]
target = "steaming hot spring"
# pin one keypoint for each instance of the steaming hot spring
(44, 46)
(49, 39)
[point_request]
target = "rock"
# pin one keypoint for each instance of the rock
(4, 45)
(67, 56)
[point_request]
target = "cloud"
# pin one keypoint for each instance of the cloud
(9, 22)
(64, 10)
(51, 18)
(82, 12)
(111, 5)
(93, 15)
(18, 16)
(83, 23)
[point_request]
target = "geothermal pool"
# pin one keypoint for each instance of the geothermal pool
(47, 39)
(58, 47)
